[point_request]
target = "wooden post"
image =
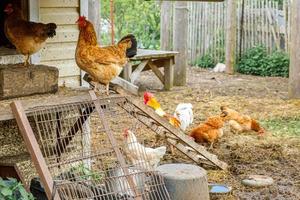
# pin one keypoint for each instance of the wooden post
(230, 36)
(94, 16)
(294, 73)
(112, 22)
(165, 25)
(180, 43)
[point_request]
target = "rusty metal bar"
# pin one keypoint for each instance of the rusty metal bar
(114, 145)
(33, 148)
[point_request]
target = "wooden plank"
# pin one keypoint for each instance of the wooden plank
(94, 15)
(60, 17)
(126, 85)
(135, 74)
(67, 33)
(165, 25)
(58, 51)
(230, 36)
(294, 78)
(169, 74)
(33, 148)
(156, 71)
(180, 33)
(114, 145)
(143, 54)
(127, 71)
(59, 3)
(69, 81)
(66, 68)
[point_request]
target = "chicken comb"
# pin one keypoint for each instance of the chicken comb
(8, 7)
(81, 18)
(147, 97)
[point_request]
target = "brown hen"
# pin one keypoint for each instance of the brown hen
(209, 131)
(28, 37)
(102, 63)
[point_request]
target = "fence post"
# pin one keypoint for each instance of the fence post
(294, 73)
(165, 25)
(230, 36)
(180, 43)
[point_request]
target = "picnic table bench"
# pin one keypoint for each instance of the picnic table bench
(152, 60)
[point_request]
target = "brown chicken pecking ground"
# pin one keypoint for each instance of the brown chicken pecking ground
(263, 98)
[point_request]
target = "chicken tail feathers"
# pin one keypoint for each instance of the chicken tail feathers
(50, 30)
(130, 52)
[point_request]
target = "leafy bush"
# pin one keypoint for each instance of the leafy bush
(11, 189)
(205, 61)
(256, 61)
(141, 18)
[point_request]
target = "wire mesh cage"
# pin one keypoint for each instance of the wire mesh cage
(90, 155)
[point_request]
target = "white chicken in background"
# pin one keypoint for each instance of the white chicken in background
(184, 113)
(220, 67)
(140, 154)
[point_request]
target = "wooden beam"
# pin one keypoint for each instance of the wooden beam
(94, 16)
(127, 71)
(165, 25)
(169, 73)
(33, 148)
(138, 70)
(230, 36)
(156, 71)
(294, 72)
(126, 85)
(180, 44)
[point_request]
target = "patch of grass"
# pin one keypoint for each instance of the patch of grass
(283, 126)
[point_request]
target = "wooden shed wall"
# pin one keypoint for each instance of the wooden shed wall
(60, 50)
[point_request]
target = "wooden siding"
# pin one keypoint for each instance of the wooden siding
(60, 50)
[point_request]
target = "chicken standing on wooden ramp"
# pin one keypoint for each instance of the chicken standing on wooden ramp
(184, 113)
(151, 101)
(103, 64)
(141, 155)
(28, 37)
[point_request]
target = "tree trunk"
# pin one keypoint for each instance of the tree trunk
(294, 73)
(230, 36)
(180, 43)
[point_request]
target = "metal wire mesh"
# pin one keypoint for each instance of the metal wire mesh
(84, 161)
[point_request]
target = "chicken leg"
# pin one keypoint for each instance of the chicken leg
(26, 64)
(107, 89)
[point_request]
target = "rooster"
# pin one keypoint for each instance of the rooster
(28, 37)
(102, 63)
(184, 113)
(151, 101)
(241, 123)
(140, 154)
(210, 131)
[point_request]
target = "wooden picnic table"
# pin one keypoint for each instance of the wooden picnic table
(152, 60)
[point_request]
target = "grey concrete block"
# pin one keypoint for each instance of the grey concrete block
(185, 181)
(17, 80)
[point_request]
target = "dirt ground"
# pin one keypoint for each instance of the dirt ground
(263, 98)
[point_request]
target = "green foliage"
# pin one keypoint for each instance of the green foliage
(256, 61)
(289, 126)
(86, 173)
(141, 18)
(11, 189)
(205, 61)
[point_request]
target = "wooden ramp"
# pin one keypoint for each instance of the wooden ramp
(173, 136)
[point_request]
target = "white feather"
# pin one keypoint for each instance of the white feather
(184, 113)
(220, 67)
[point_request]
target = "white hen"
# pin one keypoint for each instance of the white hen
(184, 113)
(140, 154)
